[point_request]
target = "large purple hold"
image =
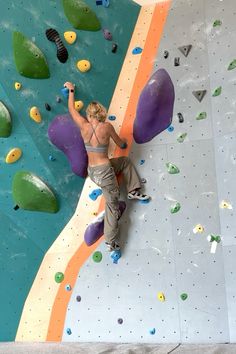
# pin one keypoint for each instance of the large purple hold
(95, 230)
(155, 107)
(65, 134)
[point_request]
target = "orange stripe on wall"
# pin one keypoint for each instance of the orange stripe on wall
(57, 320)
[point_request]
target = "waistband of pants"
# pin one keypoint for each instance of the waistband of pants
(98, 167)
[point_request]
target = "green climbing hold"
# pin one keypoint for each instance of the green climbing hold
(181, 137)
(5, 121)
(31, 193)
(97, 256)
(172, 169)
(80, 15)
(217, 91)
(174, 209)
(59, 277)
(216, 238)
(232, 65)
(184, 296)
(201, 115)
(30, 61)
(217, 23)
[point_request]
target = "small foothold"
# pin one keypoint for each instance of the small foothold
(112, 117)
(141, 162)
(232, 65)
(94, 213)
(97, 256)
(53, 36)
(198, 229)
(18, 86)
(83, 65)
(181, 137)
(152, 331)
(79, 105)
(166, 54)
(65, 92)
(70, 37)
(68, 287)
(225, 205)
(59, 277)
(145, 201)
(78, 298)
(217, 91)
(98, 2)
(48, 108)
(174, 209)
(137, 50)
(217, 23)
(13, 155)
(172, 169)
(170, 128)
(161, 297)
(212, 238)
(58, 99)
(35, 115)
(114, 47)
(105, 3)
(116, 256)
(199, 94)
(51, 158)
(201, 115)
(107, 34)
(95, 194)
(177, 61)
(16, 207)
(68, 331)
(181, 118)
(143, 180)
(184, 296)
(120, 320)
(185, 49)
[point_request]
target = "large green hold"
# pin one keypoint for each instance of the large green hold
(29, 59)
(31, 193)
(80, 15)
(5, 121)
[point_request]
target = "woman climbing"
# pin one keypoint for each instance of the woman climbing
(96, 134)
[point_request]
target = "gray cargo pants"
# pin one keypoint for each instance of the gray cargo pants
(105, 177)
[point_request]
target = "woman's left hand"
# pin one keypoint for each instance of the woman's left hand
(69, 85)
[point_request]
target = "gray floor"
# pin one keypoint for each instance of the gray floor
(105, 348)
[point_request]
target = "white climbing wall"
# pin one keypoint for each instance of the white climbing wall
(161, 253)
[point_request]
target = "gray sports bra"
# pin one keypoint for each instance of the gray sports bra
(100, 148)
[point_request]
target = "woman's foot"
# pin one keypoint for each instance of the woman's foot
(113, 246)
(137, 195)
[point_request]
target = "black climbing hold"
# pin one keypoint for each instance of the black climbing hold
(114, 47)
(185, 49)
(199, 94)
(98, 2)
(16, 207)
(181, 118)
(53, 36)
(166, 54)
(48, 108)
(177, 63)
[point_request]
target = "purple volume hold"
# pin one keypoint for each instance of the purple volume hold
(66, 136)
(95, 230)
(155, 107)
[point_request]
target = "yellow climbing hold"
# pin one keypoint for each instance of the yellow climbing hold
(83, 65)
(94, 213)
(35, 115)
(70, 37)
(225, 205)
(161, 297)
(79, 105)
(198, 229)
(13, 155)
(17, 86)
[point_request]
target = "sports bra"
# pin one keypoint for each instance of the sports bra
(100, 148)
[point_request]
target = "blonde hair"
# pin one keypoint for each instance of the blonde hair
(96, 110)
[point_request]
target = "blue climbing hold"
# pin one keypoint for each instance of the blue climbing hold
(68, 287)
(141, 162)
(95, 194)
(137, 50)
(152, 331)
(112, 117)
(68, 331)
(170, 128)
(144, 201)
(51, 158)
(116, 256)
(65, 92)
